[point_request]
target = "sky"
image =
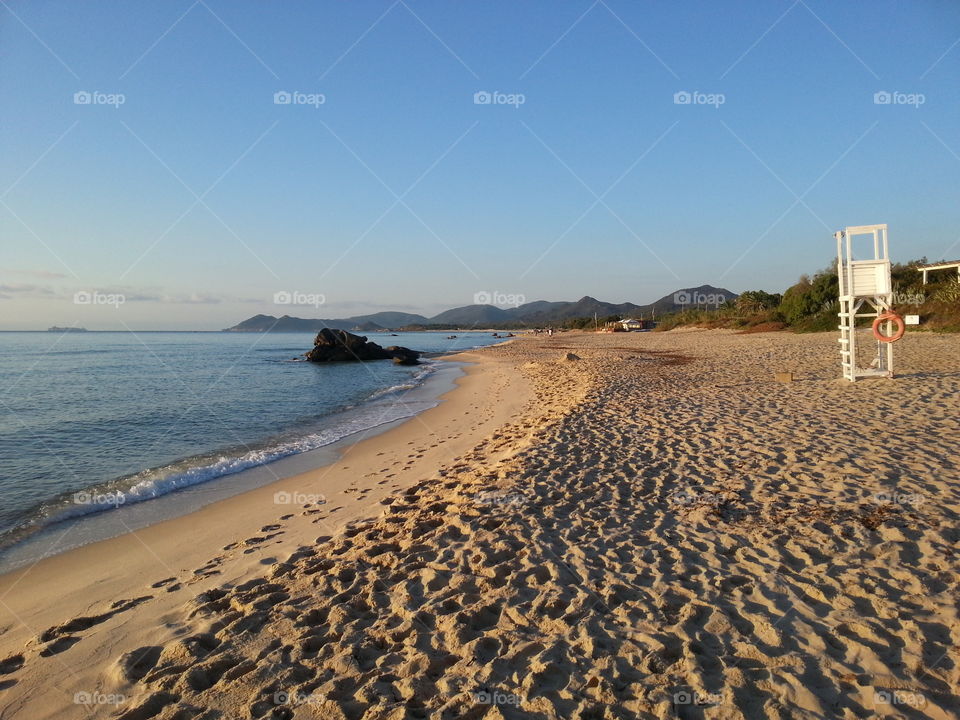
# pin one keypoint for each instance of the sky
(187, 164)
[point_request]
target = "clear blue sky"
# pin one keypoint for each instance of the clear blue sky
(493, 197)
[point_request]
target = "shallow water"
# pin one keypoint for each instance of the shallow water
(93, 422)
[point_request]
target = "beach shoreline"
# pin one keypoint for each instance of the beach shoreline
(614, 526)
(315, 502)
(73, 532)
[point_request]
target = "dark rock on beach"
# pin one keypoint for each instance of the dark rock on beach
(403, 356)
(342, 346)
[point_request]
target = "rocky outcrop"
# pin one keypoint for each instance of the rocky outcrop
(403, 356)
(342, 346)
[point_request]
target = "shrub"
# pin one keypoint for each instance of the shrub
(948, 292)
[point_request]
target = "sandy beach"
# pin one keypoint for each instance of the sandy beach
(653, 528)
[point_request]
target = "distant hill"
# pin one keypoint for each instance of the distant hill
(533, 314)
(686, 298)
(390, 319)
(265, 323)
(472, 316)
(584, 307)
(537, 307)
(360, 323)
(367, 327)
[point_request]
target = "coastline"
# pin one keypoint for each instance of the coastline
(652, 528)
(229, 539)
(289, 432)
(76, 531)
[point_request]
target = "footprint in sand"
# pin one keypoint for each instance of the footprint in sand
(59, 645)
(252, 543)
(134, 665)
(58, 638)
(210, 568)
(11, 664)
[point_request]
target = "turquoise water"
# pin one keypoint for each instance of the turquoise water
(91, 422)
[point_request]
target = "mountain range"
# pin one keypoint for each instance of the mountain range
(533, 314)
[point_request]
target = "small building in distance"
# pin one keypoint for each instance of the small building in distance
(943, 265)
(632, 324)
(629, 325)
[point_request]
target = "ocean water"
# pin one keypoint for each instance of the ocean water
(92, 423)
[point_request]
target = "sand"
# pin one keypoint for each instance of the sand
(653, 529)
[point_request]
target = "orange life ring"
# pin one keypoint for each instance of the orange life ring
(896, 320)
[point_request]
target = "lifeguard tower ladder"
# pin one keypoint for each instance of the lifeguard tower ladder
(865, 292)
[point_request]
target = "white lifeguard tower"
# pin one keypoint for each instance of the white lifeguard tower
(865, 292)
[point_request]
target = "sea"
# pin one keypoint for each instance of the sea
(105, 432)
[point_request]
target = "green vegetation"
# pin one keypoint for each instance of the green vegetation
(811, 304)
(588, 323)
(579, 323)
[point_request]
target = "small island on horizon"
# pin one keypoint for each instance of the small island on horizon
(58, 329)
